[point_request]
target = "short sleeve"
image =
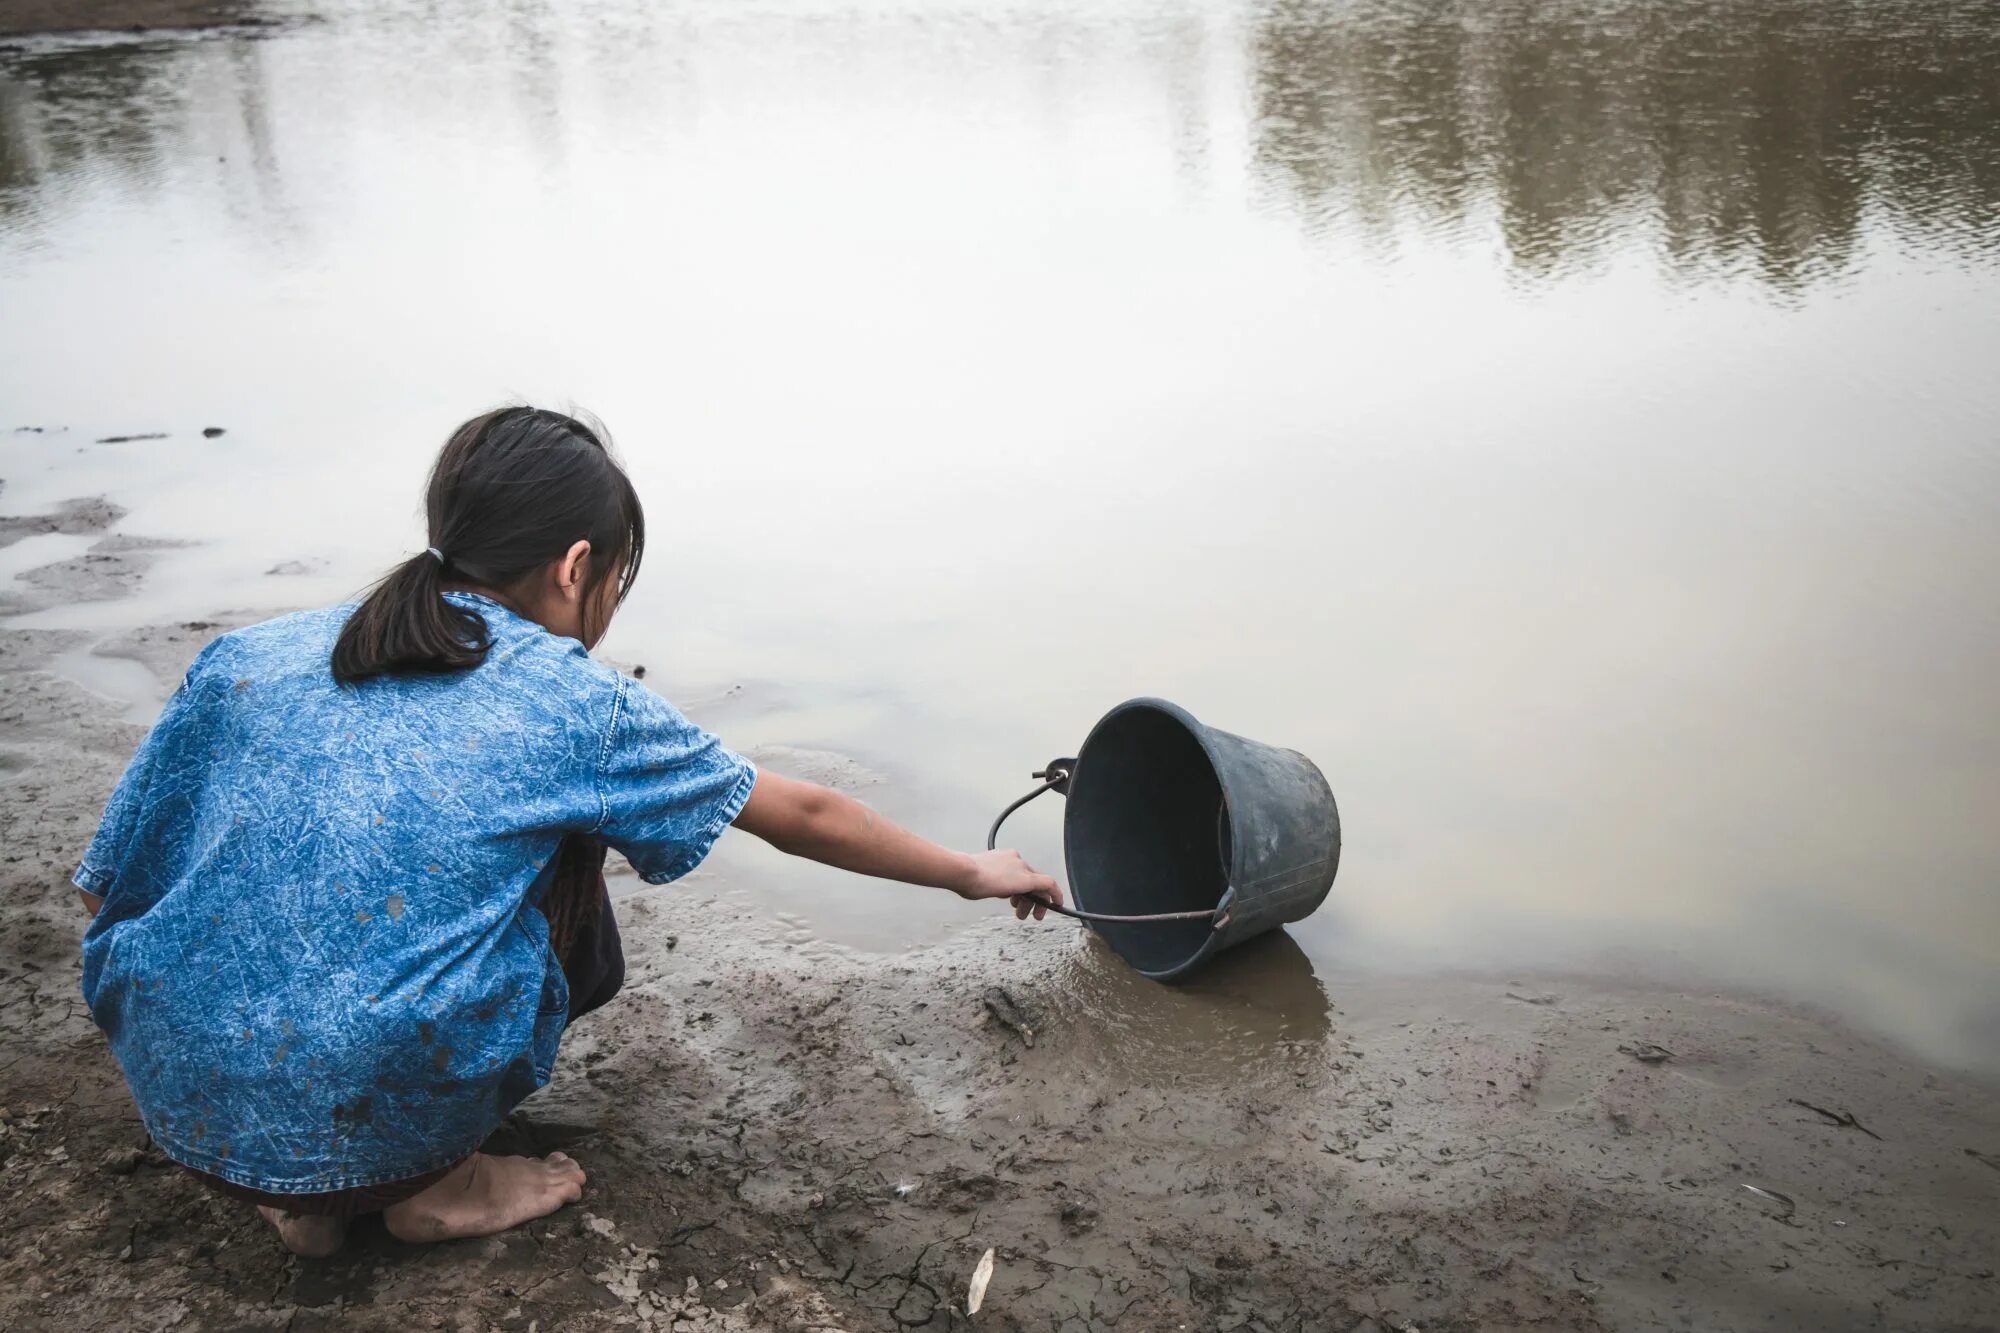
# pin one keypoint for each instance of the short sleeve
(669, 789)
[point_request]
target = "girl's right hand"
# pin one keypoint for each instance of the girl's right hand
(1003, 874)
(808, 820)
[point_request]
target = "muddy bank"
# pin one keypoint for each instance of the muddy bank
(19, 18)
(791, 1144)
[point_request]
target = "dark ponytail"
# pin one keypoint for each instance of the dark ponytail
(512, 491)
(407, 625)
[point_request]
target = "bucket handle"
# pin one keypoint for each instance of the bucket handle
(1056, 777)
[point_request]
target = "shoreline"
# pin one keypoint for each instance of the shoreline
(833, 1143)
(34, 18)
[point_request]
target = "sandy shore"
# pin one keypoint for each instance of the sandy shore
(777, 1144)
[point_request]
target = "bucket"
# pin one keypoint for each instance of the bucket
(1182, 840)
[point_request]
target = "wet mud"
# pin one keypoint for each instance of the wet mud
(782, 1142)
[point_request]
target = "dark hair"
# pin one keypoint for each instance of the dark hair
(513, 490)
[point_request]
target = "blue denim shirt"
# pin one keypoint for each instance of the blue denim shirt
(319, 961)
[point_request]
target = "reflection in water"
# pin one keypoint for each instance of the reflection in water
(18, 165)
(1734, 136)
(1737, 135)
(138, 119)
(1254, 1011)
(81, 113)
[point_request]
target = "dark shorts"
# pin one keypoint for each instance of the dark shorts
(594, 967)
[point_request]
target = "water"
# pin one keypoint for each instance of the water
(1572, 424)
(135, 692)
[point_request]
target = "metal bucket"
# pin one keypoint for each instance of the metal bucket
(1182, 840)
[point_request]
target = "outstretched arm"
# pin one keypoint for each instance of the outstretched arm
(815, 822)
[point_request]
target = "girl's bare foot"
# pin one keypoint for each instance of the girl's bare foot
(304, 1234)
(484, 1194)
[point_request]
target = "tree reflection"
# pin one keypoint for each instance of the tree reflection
(1773, 138)
(1741, 135)
(59, 113)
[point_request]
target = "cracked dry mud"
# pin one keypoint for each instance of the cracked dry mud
(777, 1144)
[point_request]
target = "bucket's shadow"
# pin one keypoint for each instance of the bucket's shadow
(1252, 1011)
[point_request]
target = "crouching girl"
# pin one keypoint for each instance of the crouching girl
(349, 894)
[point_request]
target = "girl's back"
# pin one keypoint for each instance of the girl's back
(318, 890)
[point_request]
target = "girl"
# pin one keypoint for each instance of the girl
(349, 892)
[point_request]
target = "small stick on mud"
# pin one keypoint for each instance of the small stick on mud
(1774, 1197)
(1986, 1158)
(1844, 1119)
(1646, 1052)
(1010, 1015)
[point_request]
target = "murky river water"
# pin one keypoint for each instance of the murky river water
(1575, 425)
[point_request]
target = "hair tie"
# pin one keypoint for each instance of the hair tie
(435, 554)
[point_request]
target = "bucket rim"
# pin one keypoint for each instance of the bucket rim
(1199, 730)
